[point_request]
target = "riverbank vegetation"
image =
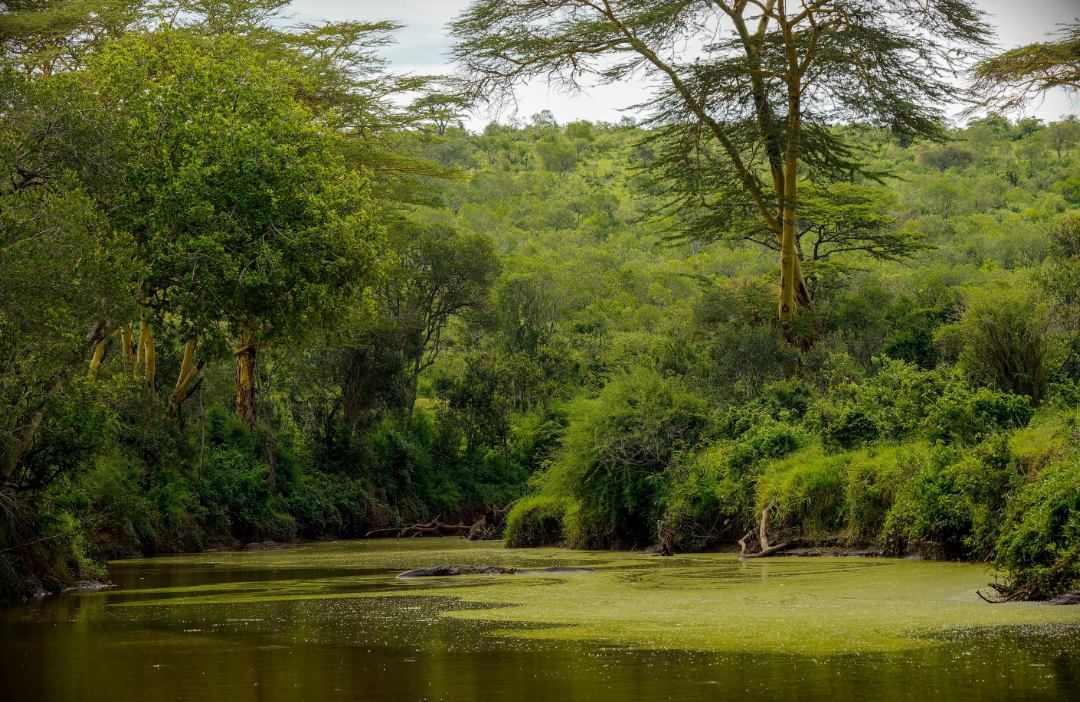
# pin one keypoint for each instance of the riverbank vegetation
(254, 285)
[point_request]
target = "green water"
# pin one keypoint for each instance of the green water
(331, 621)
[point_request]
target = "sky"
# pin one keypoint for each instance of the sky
(422, 46)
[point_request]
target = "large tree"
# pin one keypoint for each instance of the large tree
(245, 217)
(62, 268)
(437, 274)
(44, 37)
(746, 91)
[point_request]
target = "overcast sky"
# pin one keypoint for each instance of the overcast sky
(422, 47)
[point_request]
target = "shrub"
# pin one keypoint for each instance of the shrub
(851, 428)
(1005, 341)
(705, 500)
(709, 494)
(1039, 547)
(766, 439)
(964, 415)
(787, 398)
(873, 478)
(805, 491)
(537, 521)
(953, 505)
(616, 450)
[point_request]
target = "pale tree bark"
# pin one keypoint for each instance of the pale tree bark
(187, 380)
(246, 354)
(145, 356)
(126, 346)
(99, 357)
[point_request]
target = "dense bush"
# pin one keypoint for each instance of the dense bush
(538, 520)
(1006, 340)
(616, 450)
(953, 504)
(1039, 547)
(901, 400)
(648, 391)
(709, 495)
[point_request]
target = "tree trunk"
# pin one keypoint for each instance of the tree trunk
(150, 359)
(125, 346)
(186, 381)
(99, 356)
(790, 272)
(246, 355)
(145, 357)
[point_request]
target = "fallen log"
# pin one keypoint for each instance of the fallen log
(488, 526)
(432, 528)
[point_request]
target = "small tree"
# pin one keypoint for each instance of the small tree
(437, 274)
(748, 108)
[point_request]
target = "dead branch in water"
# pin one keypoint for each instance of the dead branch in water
(487, 526)
(767, 549)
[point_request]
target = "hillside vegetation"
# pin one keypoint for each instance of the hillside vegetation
(353, 316)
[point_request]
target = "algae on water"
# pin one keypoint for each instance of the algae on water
(703, 602)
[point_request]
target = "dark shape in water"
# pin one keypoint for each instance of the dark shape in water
(1069, 598)
(448, 570)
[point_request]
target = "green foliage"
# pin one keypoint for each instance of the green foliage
(530, 330)
(538, 520)
(954, 503)
(900, 401)
(226, 167)
(556, 153)
(804, 493)
(1039, 546)
(1005, 340)
(616, 450)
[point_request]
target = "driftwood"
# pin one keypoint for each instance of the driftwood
(1033, 590)
(491, 524)
(488, 526)
(767, 549)
(432, 528)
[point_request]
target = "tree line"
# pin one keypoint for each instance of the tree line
(257, 285)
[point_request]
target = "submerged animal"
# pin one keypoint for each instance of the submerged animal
(442, 571)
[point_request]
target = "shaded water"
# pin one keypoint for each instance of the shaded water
(331, 621)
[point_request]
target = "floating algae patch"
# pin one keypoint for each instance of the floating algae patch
(704, 602)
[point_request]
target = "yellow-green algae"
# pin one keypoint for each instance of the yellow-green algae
(702, 602)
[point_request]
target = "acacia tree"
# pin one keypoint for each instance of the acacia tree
(45, 37)
(746, 92)
(1007, 81)
(243, 214)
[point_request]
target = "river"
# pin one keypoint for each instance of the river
(331, 621)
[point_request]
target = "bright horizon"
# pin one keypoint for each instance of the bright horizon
(422, 47)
